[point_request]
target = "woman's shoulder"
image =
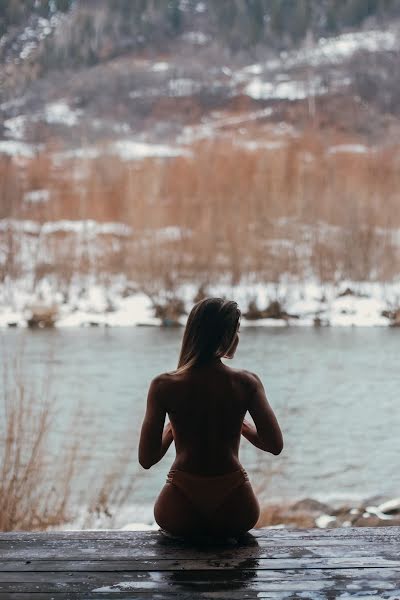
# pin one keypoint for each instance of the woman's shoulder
(241, 376)
(245, 377)
(165, 379)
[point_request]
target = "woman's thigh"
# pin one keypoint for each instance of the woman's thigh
(239, 512)
(175, 513)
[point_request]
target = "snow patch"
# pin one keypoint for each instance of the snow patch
(16, 127)
(254, 145)
(196, 37)
(183, 87)
(84, 153)
(60, 113)
(17, 148)
(390, 506)
(346, 44)
(201, 7)
(34, 196)
(336, 49)
(209, 127)
(170, 233)
(89, 227)
(348, 149)
(32, 36)
(324, 520)
(255, 69)
(284, 90)
(126, 149)
(130, 150)
(159, 67)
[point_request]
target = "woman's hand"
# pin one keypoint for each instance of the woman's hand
(267, 433)
(248, 429)
(167, 438)
(168, 430)
(168, 433)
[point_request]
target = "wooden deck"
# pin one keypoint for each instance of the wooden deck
(309, 564)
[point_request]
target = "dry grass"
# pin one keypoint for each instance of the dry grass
(25, 460)
(275, 514)
(296, 209)
(37, 477)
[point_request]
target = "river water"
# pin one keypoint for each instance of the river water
(335, 393)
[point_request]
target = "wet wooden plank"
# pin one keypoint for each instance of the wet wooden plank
(131, 596)
(222, 595)
(229, 595)
(324, 564)
(390, 553)
(201, 577)
(260, 534)
(200, 564)
(183, 583)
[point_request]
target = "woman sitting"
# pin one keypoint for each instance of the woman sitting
(207, 490)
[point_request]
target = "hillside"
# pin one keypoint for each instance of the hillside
(149, 145)
(84, 70)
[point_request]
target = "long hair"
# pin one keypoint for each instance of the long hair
(210, 331)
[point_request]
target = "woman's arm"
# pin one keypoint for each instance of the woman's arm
(266, 434)
(167, 439)
(154, 439)
(250, 433)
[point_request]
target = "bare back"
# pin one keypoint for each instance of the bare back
(206, 407)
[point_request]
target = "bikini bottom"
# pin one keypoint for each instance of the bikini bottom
(207, 493)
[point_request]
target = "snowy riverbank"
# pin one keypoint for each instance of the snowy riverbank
(121, 304)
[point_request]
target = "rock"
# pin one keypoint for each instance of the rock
(274, 310)
(273, 515)
(41, 315)
(375, 511)
(170, 323)
(393, 316)
(317, 322)
(253, 312)
(391, 507)
(169, 311)
(324, 521)
(312, 513)
(129, 290)
(110, 308)
(395, 322)
(374, 521)
(346, 515)
(347, 292)
(312, 506)
(344, 511)
(320, 322)
(201, 294)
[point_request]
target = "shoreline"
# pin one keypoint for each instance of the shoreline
(349, 304)
(377, 511)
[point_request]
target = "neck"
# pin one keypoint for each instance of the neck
(215, 360)
(211, 362)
